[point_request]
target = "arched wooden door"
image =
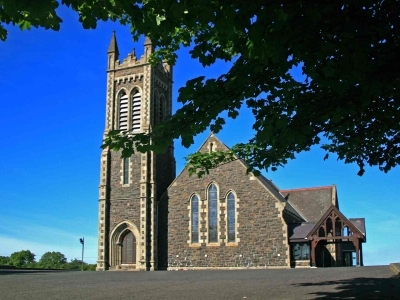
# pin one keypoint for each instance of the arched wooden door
(128, 249)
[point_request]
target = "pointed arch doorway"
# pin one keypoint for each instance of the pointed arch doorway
(125, 247)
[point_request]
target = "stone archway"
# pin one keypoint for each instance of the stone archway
(125, 248)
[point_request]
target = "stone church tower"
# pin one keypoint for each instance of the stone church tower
(138, 97)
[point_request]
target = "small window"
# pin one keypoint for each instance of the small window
(195, 219)
(211, 149)
(231, 218)
(301, 251)
(212, 214)
(126, 171)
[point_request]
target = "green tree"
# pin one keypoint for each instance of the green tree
(4, 260)
(23, 259)
(347, 102)
(75, 264)
(53, 260)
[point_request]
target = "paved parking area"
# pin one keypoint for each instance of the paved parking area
(350, 283)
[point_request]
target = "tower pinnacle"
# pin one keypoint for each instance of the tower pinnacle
(147, 41)
(113, 47)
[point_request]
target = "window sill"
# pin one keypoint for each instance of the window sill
(302, 260)
(232, 244)
(213, 244)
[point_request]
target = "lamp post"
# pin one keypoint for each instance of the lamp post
(82, 240)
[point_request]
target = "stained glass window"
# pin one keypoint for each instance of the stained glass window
(301, 251)
(212, 214)
(126, 171)
(195, 219)
(231, 218)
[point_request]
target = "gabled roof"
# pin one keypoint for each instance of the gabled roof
(328, 213)
(291, 211)
(311, 203)
(198, 150)
(359, 223)
(300, 233)
(267, 184)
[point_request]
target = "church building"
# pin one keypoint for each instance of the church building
(151, 219)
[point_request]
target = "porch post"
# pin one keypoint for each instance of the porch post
(361, 256)
(357, 244)
(313, 244)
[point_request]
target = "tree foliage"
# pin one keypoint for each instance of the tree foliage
(76, 264)
(52, 260)
(23, 259)
(347, 52)
(49, 260)
(4, 260)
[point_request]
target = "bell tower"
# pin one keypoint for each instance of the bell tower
(139, 96)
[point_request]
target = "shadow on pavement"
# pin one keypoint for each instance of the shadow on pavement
(357, 288)
(32, 272)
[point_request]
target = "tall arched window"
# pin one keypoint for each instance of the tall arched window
(136, 106)
(129, 249)
(161, 109)
(123, 111)
(212, 214)
(155, 107)
(195, 219)
(231, 217)
(125, 176)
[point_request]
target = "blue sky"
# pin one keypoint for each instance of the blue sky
(52, 95)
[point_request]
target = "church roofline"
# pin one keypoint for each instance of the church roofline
(266, 183)
(307, 189)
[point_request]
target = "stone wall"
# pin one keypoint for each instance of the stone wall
(124, 199)
(261, 231)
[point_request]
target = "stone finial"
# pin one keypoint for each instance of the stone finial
(113, 47)
(147, 41)
(148, 47)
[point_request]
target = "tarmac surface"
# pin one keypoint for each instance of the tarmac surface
(321, 283)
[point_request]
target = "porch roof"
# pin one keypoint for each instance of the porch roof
(359, 223)
(300, 232)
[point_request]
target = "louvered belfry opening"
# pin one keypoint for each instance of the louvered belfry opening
(136, 105)
(123, 111)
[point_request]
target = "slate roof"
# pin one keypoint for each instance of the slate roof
(311, 203)
(299, 233)
(359, 223)
(272, 187)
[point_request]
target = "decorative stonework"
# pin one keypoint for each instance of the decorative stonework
(129, 78)
(161, 83)
(133, 204)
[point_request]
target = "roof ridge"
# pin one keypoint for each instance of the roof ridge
(307, 189)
